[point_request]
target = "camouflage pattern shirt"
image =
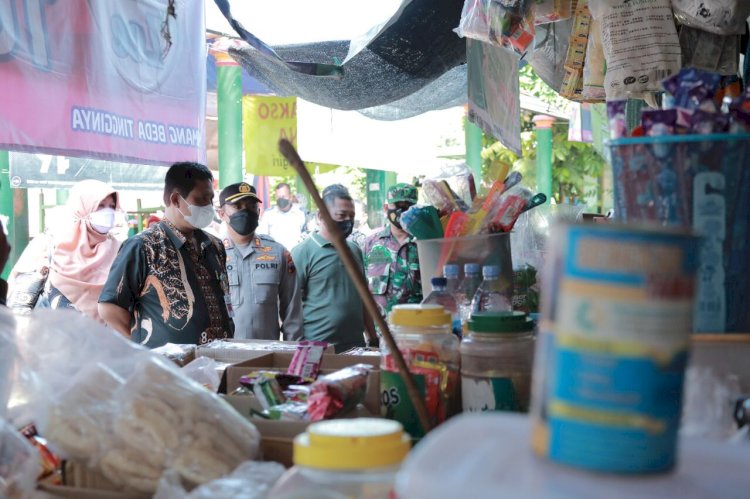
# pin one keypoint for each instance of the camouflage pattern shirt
(392, 270)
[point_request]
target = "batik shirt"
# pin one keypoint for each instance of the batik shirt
(392, 270)
(176, 292)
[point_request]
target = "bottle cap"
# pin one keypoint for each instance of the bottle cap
(451, 271)
(352, 444)
(439, 281)
(500, 322)
(490, 271)
(472, 268)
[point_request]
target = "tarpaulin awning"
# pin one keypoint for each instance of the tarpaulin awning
(412, 50)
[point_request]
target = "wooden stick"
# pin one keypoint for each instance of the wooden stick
(355, 273)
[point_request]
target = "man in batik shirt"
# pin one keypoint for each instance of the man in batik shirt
(169, 283)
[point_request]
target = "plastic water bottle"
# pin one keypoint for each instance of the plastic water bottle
(441, 296)
(451, 272)
(491, 295)
(466, 290)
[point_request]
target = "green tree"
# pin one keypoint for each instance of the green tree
(576, 166)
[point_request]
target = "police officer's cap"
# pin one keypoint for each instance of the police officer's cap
(235, 192)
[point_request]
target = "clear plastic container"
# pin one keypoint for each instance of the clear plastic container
(344, 458)
(423, 335)
(497, 357)
(493, 295)
(440, 295)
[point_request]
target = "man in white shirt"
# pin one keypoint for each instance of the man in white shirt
(285, 221)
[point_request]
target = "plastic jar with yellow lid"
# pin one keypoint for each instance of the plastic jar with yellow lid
(345, 458)
(424, 336)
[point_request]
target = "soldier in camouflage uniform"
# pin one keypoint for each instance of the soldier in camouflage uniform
(391, 260)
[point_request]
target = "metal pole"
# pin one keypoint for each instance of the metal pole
(229, 103)
(543, 126)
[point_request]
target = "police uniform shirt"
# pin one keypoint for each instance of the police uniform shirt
(264, 290)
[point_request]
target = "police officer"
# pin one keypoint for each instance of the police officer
(391, 260)
(262, 276)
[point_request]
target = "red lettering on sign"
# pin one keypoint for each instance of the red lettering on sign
(263, 111)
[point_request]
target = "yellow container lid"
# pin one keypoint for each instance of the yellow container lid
(352, 444)
(419, 316)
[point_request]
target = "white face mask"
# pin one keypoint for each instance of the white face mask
(102, 220)
(200, 216)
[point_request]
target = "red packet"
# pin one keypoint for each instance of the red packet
(306, 360)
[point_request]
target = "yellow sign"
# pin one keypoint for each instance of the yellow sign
(267, 119)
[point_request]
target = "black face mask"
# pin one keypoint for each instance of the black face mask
(394, 216)
(346, 227)
(283, 203)
(244, 222)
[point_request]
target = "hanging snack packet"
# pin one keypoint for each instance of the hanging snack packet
(641, 47)
(722, 17)
(594, 69)
(659, 122)
(550, 11)
(693, 89)
(506, 23)
(618, 127)
(572, 86)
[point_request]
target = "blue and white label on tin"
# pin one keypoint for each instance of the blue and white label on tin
(709, 220)
(616, 352)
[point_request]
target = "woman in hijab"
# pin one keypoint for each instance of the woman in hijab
(82, 249)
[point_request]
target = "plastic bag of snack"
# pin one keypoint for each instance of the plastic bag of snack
(636, 64)
(338, 392)
(19, 464)
(505, 23)
(204, 371)
(125, 411)
(181, 355)
(722, 17)
(550, 50)
(550, 11)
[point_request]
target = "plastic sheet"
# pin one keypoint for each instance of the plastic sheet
(251, 480)
(496, 460)
(8, 356)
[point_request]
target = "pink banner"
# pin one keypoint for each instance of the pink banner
(96, 79)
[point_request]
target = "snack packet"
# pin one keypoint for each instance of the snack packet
(338, 392)
(306, 360)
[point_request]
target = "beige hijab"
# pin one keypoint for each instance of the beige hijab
(81, 256)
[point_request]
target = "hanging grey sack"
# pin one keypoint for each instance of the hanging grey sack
(413, 49)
